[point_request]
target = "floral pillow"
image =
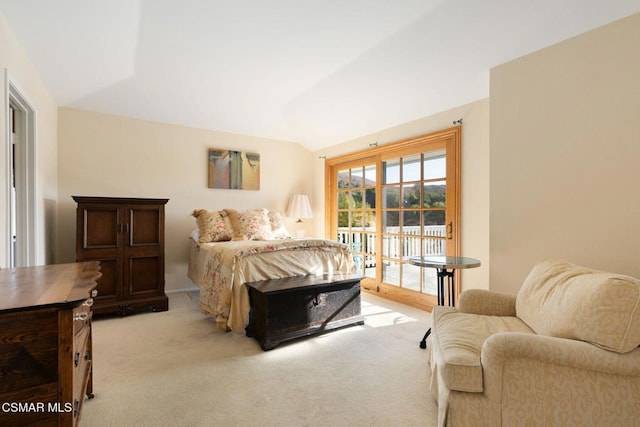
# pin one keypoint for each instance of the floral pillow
(251, 224)
(278, 230)
(211, 226)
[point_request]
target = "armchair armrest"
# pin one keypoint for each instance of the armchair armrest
(480, 301)
(532, 358)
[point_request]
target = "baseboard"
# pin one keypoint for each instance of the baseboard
(182, 290)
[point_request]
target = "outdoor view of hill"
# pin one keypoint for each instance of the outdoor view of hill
(434, 198)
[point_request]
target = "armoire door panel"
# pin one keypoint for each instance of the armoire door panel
(101, 228)
(145, 227)
(144, 274)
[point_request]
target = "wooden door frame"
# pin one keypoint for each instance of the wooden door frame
(452, 138)
(25, 175)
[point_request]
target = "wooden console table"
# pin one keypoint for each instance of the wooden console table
(45, 343)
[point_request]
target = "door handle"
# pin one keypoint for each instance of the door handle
(450, 231)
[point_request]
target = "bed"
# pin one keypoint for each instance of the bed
(221, 264)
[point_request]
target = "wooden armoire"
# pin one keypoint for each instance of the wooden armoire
(127, 236)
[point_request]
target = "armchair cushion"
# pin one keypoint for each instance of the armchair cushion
(460, 336)
(563, 300)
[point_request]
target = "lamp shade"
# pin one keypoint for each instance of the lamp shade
(299, 207)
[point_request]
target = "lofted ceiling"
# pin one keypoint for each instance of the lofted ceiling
(315, 72)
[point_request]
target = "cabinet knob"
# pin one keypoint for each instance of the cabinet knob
(89, 302)
(94, 293)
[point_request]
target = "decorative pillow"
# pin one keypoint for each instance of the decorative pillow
(563, 300)
(278, 230)
(251, 224)
(211, 226)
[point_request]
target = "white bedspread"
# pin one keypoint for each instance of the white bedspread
(220, 270)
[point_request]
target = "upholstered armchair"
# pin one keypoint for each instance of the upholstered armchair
(562, 352)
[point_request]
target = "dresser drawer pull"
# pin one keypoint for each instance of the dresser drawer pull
(81, 316)
(89, 302)
(76, 359)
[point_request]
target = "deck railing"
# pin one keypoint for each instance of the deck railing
(395, 245)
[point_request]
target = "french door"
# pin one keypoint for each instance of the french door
(393, 202)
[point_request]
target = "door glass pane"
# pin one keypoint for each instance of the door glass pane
(429, 281)
(391, 272)
(411, 244)
(358, 263)
(411, 196)
(369, 243)
(434, 165)
(391, 246)
(343, 200)
(356, 199)
(435, 217)
(343, 178)
(356, 220)
(391, 171)
(391, 222)
(356, 241)
(370, 198)
(343, 219)
(434, 194)
(357, 177)
(411, 222)
(369, 220)
(433, 247)
(411, 277)
(411, 168)
(370, 267)
(370, 175)
(391, 197)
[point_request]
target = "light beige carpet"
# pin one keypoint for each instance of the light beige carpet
(175, 368)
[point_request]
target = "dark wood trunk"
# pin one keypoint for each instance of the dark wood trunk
(294, 307)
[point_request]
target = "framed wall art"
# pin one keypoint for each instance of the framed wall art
(235, 170)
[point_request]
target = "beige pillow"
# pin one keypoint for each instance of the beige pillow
(278, 230)
(250, 224)
(211, 226)
(563, 300)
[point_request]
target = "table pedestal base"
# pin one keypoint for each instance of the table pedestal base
(442, 275)
(442, 263)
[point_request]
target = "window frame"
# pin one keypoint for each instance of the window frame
(450, 139)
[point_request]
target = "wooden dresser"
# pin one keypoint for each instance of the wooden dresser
(127, 236)
(45, 343)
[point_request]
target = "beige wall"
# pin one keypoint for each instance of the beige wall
(557, 179)
(565, 149)
(475, 177)
(15, 64)
(104, 155)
